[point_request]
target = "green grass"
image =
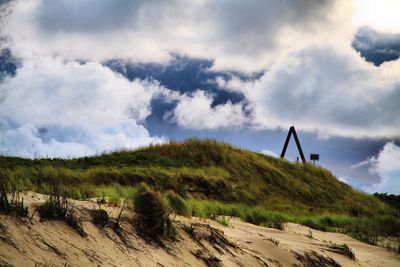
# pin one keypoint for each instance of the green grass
(214, 179)
(177, 204)
(222, 221)
(115, 194)
(362, 227)
(205, 169)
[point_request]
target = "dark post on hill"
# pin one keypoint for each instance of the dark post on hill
(292, 130)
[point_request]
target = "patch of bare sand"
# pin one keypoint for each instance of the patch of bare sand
(197, 243)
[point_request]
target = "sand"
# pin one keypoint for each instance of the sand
(196, 243)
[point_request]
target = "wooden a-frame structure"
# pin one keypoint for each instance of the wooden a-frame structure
(292, 130)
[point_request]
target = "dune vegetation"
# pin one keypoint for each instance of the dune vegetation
(206, 178)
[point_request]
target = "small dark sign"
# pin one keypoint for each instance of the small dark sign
(314, 157)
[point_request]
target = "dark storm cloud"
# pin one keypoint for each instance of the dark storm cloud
(249, 25)
(8, 64)
(4, 5)
(5, 9)
(184, 75)
(239, 35)
(377, 47)
(87, 16)
(234, 17)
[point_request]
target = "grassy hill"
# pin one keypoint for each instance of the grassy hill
(215, 178)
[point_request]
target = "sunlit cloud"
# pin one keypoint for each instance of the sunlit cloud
(382, 15)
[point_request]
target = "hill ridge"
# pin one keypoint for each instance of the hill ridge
(206, 169)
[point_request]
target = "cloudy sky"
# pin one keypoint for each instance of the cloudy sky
(80, 77)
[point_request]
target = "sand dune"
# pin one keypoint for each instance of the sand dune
(197, 243)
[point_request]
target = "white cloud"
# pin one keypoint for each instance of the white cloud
(388, 159)
(387, 165)
(234, 84)
(57, 108)
(269, 153)
(344, 179)
(28, 141)
(329, 90)
(195, 111)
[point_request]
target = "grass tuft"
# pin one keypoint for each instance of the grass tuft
(223, 221)
(151, 211)
(177, 204)
(100, 217)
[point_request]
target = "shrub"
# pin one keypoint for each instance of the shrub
(100, 217)
(87, 191)
(53, 209)
(14, 187)
(151, 211)
(343, 249)
(177, 203)
(4, 203)
(57, 205)
(56, 208)
(328, 221)
(348, 251)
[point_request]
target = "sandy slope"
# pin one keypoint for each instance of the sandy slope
(54, 243)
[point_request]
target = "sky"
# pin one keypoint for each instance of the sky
(82, 77)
